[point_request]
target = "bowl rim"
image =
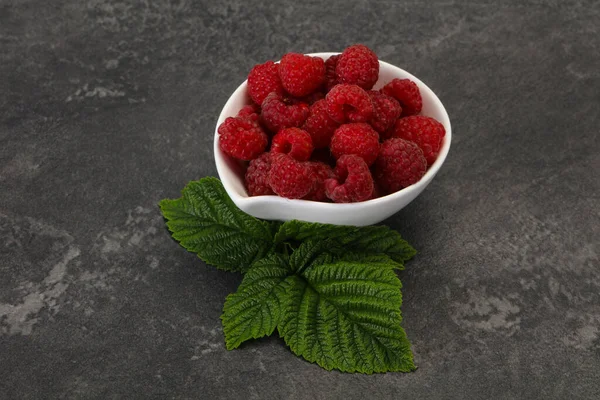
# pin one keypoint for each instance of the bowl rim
(273, 199)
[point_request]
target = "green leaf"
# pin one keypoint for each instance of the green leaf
(346, 315)
(365, 240)
(327, 251)
(254, 310)
(312, 251)
(205, 221)
(375, 260)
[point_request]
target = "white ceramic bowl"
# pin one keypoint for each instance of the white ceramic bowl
(360, 214)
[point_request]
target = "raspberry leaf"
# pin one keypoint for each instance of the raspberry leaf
(367, 240)
(255, 309)
(345, 315)
(205, 221)
(331, 291)
(311, 252)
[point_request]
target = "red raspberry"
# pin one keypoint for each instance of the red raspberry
(242, 138)
(386, 111)
(359, 139)
(426, 132)
(290, 178)
(349, 103)
(279, 113)
(354, 181)
(301, 74)
(400, 164)
(293, 141)
(407, 93)
(330, 76)
(358, 65)
(319, 124)
(257, 176)
(251, 111)
(262, 80)
(321, 171)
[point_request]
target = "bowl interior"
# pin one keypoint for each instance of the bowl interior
(231, 171)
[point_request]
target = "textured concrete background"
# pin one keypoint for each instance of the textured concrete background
(107, 106)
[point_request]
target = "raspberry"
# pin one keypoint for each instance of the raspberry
(262, 80)
(293, 141)
(349, 103)
(330, 76)
(386, 111)
(426, 132)
(407, 93)
(319, 125)
(257, 176)
(290, 178)
(251, 111)
(321, 171)
(279, 113)
(354, 181)
(301, 74)
(358, 65)
(400, 164)
(242, 138)
(359, 139)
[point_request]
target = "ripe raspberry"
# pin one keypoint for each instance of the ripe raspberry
(354, 181)
(386, 111)
(300, 74)
(290, 178)
(359, 139)
(251, 111)
(257, 176)
(407, 93)
(319, 125)
(426, 132)
(330, 76)
(279, 113)
(349, 103)
(321, 171)
(262, 80)
(293, 141)
(358, 65)
(400, 164)
(242, 138)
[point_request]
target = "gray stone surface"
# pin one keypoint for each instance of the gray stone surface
(107, 106)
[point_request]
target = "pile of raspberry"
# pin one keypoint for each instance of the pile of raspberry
(316, 130)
